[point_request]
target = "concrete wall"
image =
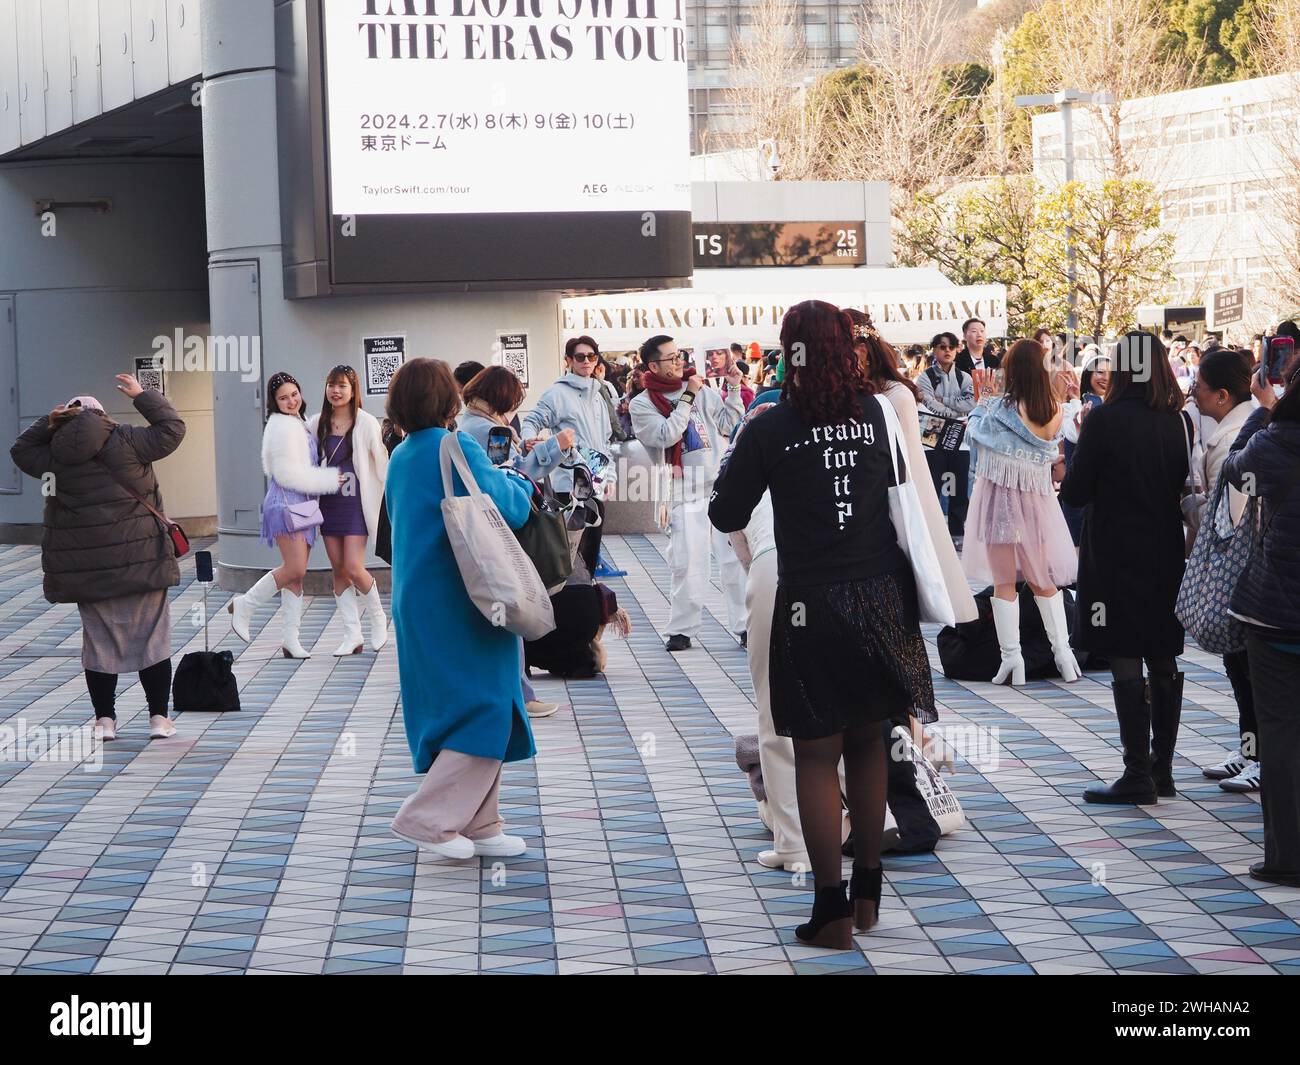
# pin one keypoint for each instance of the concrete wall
(95, 293)
(241, 149)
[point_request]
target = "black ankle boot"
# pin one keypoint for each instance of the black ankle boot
(1166, 711)
(1135, 787)
(864, 892)
(831, 924)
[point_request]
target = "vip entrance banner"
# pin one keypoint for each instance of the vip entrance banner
(695, 318)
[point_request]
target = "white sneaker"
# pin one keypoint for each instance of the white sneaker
(1246, 780)
(161, 727)
(536, 708)
(105, 729)
(501, 846)
(1229, 767)
(457, 848)
(792, 863)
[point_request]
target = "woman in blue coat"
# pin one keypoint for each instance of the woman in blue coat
(459, 673)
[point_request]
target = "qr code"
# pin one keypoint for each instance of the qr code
(380, 370)
(517, 362)
(151, 378)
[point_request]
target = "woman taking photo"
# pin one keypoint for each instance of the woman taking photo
(1129, 470)
(491, 399)
(349, 439)
(846, 653)
(1266, 460)
(1015, 531)
(290, 512)
(1222, 391)
(103, 549)
(461, 696)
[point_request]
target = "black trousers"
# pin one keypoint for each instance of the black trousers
(156, 681)
(1237, 665)
(952, 488)
(1275, 676)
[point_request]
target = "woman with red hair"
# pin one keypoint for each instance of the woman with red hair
(846, 653)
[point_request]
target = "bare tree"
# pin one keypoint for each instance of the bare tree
(904, 118)
(769, 100)
(982, 26)
(1115, 46)
(1277, 51)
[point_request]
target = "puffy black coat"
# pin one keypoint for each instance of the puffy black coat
(1267, 461)
(1128, 472)
(99, 542)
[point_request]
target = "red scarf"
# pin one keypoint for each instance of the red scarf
(658, 388)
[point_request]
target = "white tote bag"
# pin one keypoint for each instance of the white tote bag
(913, 533)
(501, 580)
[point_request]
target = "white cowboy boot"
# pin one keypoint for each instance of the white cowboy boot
(290, 645)
(1006, 620)
(241, 608)
(375, 616)
(1052, 608)
(352, 641)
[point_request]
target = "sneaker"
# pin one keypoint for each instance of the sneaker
(794, 863)
(958, 542)
(501, 846)
(161, 727)
(456, 848)
(1246, 780)
(1229, 767)
(678, 642)
(536, 708)
(105, 728)
(743, 638)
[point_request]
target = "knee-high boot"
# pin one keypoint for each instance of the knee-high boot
(1166, 712)
(1134, 787)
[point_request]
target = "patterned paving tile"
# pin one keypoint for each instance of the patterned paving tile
(258, 842)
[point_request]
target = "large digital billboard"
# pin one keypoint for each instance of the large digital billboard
(538, 141)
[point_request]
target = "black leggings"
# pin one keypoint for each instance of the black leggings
(1123, 669)
(156, 681)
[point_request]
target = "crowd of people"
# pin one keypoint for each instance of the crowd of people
(1029, 470)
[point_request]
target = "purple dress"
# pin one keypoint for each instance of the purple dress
(275, 516)
(343, 513)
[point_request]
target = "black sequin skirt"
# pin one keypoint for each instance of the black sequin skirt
(848, 654)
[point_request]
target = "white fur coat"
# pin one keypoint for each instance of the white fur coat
(286, 458)
(370, 460)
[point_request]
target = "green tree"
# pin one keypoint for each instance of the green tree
(983, 233)
(1121, 253)
(1215, 35)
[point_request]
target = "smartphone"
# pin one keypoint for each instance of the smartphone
(1276, 357)
(203, 566)
(498, 447)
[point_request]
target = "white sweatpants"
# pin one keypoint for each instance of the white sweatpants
(690, 536)
(775, 753)
(732, 578)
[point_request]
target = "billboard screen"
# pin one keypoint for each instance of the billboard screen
(500, 140)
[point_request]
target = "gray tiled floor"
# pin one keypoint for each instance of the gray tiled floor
(258, 842)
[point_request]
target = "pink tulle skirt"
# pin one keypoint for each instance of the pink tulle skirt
(1013, 536)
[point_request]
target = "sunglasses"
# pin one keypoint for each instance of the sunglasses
(579, 357)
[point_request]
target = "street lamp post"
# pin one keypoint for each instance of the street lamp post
(1065, 100)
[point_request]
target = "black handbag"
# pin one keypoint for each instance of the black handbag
(205, 681)
(545, 540)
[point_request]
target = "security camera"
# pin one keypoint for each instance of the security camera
(769, 149)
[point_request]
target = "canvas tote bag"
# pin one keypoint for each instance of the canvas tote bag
(499, 577)
(913, 533)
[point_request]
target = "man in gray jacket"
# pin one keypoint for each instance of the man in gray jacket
(576, 401)
(949, 393)
(684, 426)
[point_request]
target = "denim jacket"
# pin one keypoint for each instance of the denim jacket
(1010, 454)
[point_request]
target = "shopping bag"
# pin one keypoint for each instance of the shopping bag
(499, 577)
(913, 533)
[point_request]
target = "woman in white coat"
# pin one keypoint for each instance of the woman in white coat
(290, 511)
(350, 438)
